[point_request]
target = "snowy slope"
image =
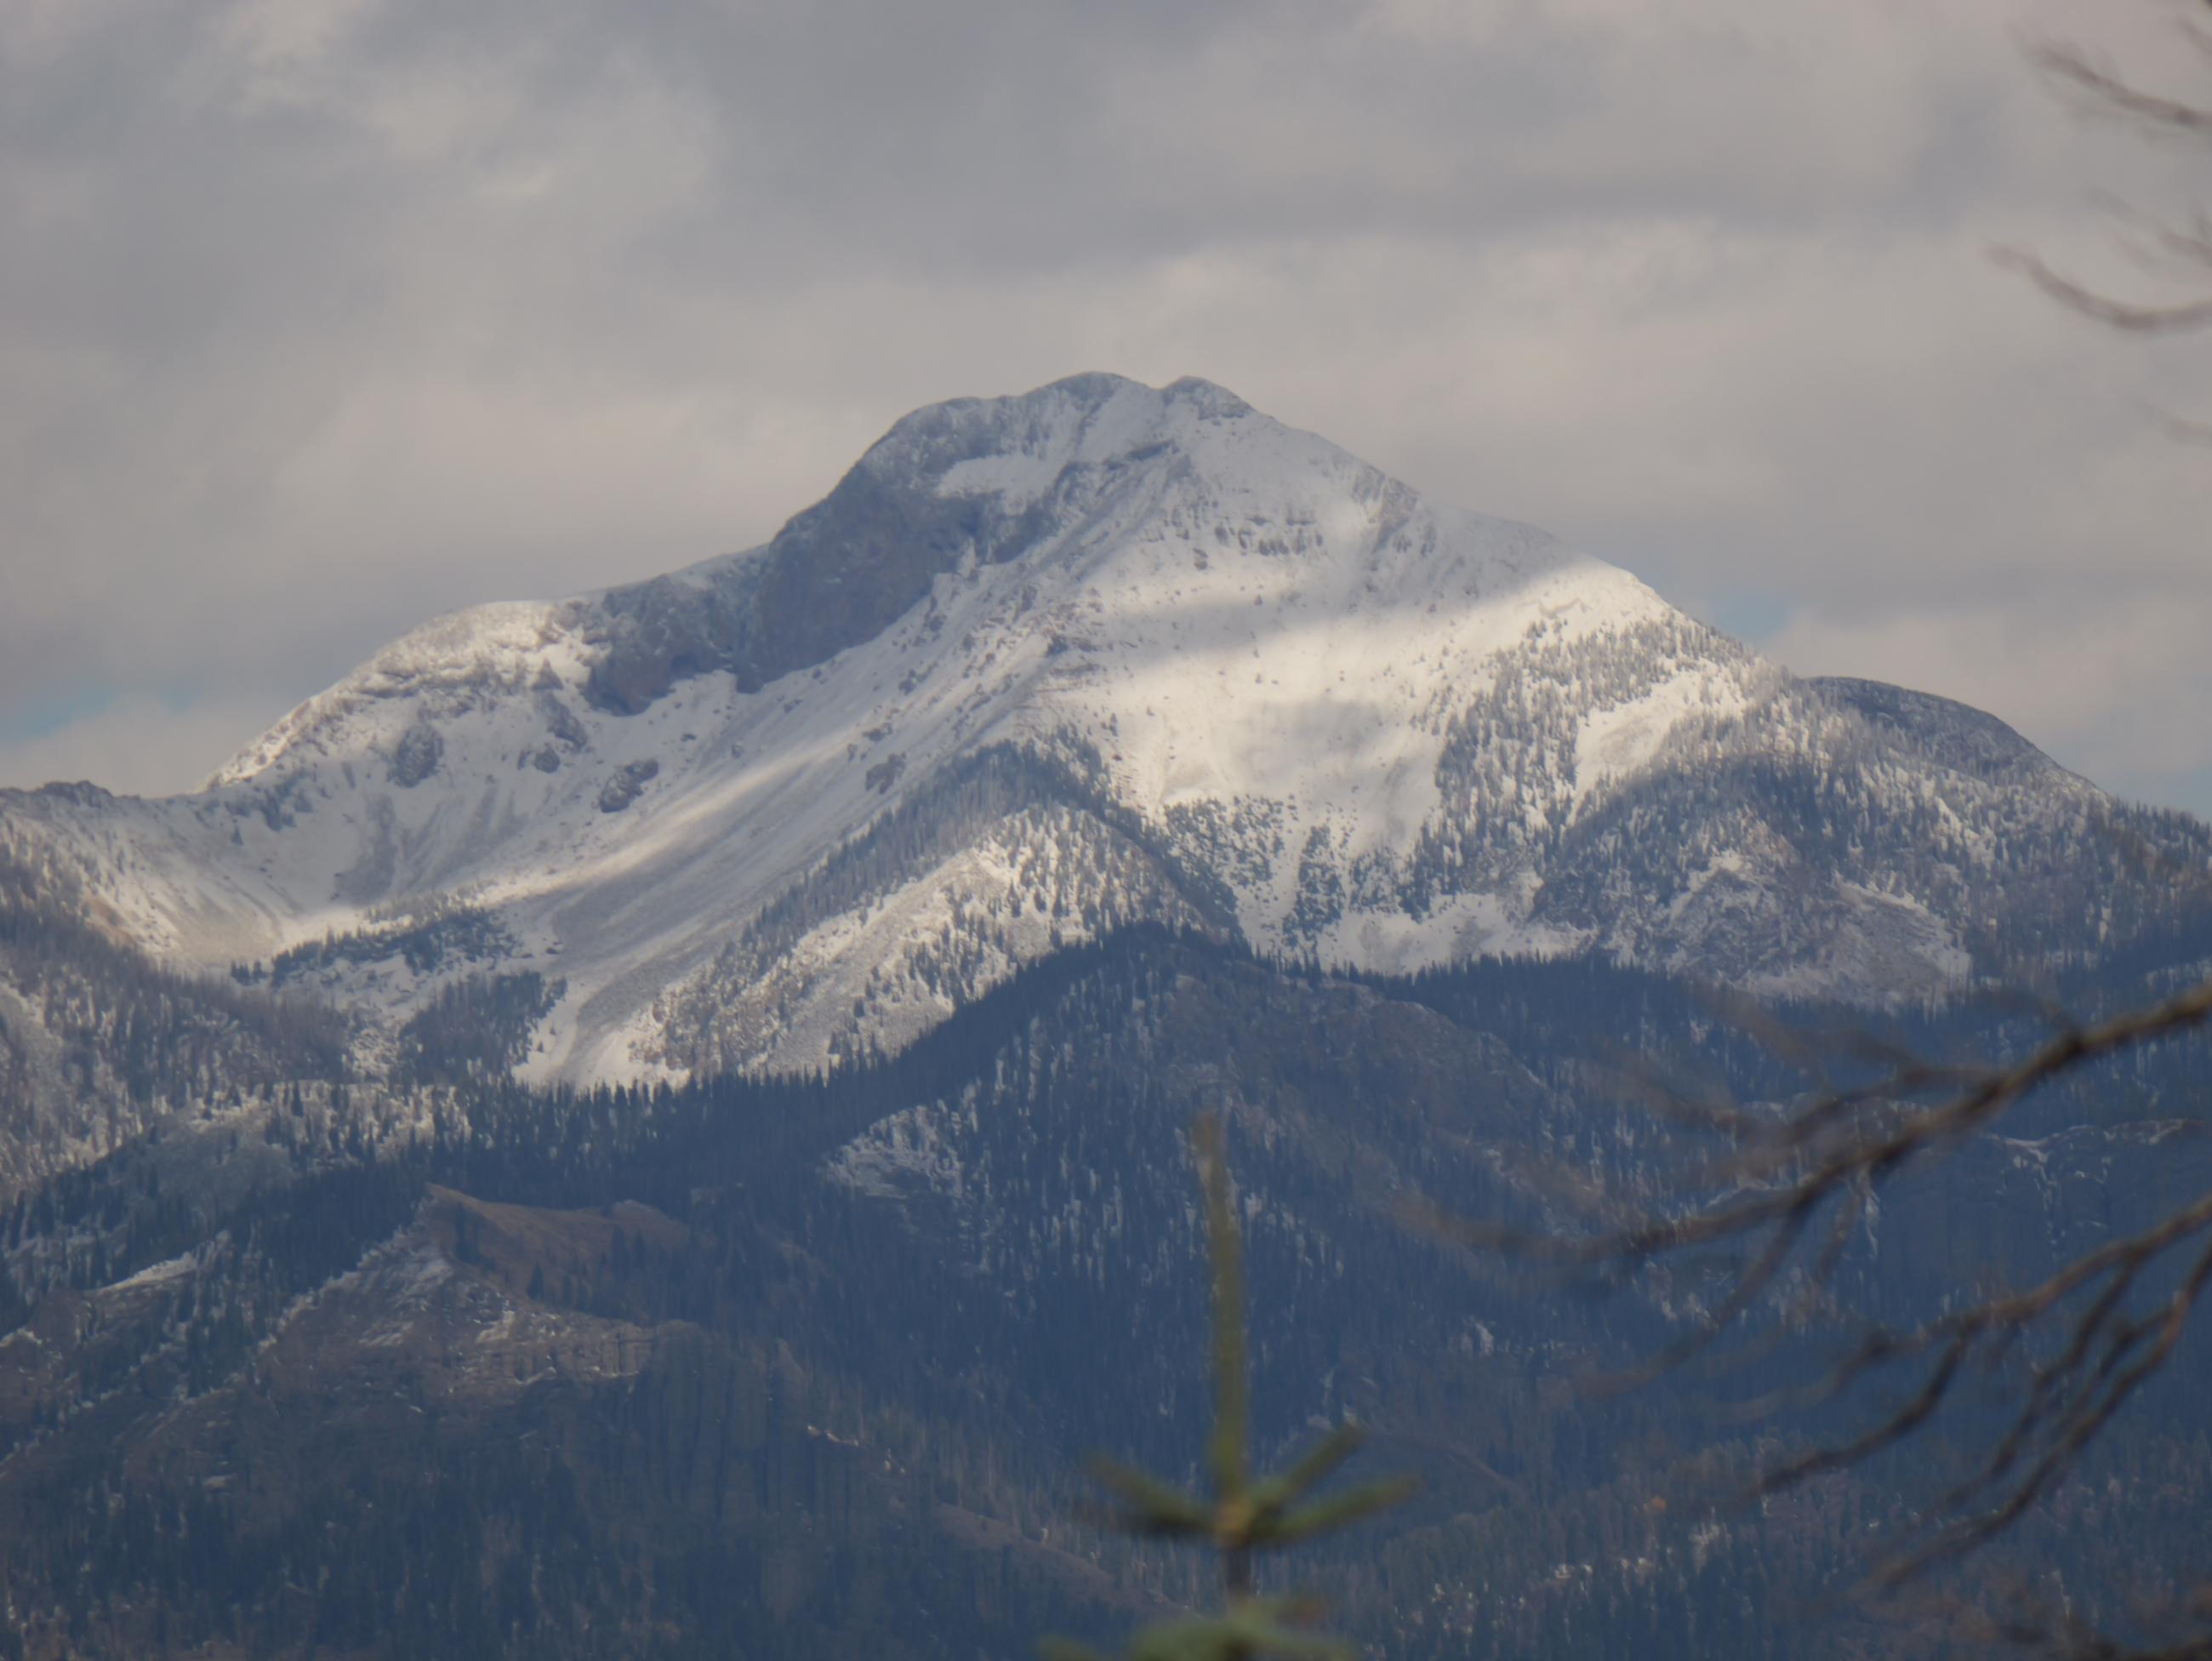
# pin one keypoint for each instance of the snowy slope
(1039, 666)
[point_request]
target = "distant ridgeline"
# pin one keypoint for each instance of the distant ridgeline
(804, 1366)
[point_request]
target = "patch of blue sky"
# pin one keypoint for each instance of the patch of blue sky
(2191, 790)
(44, 714)
(1754, 616)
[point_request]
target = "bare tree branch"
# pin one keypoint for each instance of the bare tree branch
(2075, 68)
(2135, 318)
(1802, 1181)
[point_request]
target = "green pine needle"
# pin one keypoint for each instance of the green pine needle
(1312, 1469)
(1342, 1510)
(1256, 1626)
(1154, 1507)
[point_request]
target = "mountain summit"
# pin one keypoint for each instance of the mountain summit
(1044, 665)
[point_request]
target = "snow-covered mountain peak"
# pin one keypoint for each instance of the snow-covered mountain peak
(1146, 510)
(447, 663)
(1021, 447)
(1040, 666)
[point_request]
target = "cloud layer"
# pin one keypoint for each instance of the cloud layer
(321, 316)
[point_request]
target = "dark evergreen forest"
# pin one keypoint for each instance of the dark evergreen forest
(433, 1365)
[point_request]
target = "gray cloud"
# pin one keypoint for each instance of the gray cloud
(321, 316)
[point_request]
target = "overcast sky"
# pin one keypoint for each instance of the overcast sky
(320, 317)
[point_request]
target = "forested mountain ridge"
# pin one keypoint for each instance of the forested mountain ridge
(1043, 666)
(97, 1042)
(799, 1366)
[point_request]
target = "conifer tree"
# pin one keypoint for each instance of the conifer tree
(1243, 1513)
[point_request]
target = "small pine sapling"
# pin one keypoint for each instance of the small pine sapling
(1244, 1514)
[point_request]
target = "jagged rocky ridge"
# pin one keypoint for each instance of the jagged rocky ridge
(1042, 666)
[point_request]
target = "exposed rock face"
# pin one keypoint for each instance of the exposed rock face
(842, 572)
(560, 722)
(620, 791)
(416, 756)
